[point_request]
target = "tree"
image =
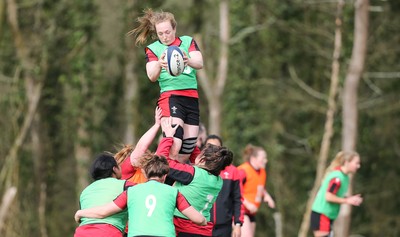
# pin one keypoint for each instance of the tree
(328, 132)
(131, 82)
(350, 95)
(214, 87)
(27, 54)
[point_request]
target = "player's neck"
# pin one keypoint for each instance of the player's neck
(160, 180)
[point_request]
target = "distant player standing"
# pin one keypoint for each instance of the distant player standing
(254, 179)
(332, 192)
(178, 95)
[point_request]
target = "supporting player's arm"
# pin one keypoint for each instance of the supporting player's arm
(194, 216)
(183, 173)
(147, 138)
(97, 212)
(184, 206)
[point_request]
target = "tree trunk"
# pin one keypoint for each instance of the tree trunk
(82, 154)
(350, 95)
(39, 172)
(8, 197)
(2, 11)
(326, 140)
(131, 92)
(109, 34)
(110, 31)
(33, 89)
(213, 88)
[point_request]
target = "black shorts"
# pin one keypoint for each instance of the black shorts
(251, 217)
(320, 222)
(183, 107)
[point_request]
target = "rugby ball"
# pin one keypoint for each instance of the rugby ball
(174, 59)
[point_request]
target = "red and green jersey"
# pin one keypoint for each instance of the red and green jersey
(151, 207)
(200, 188)
(337, 183)
(185, 81)
(99, 193)
(201, 192)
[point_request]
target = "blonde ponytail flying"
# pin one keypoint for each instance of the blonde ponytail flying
(147, 25)
(339, 160)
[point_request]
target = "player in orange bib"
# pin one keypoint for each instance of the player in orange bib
(254, 178)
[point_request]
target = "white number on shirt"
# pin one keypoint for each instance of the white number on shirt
(209, 200)
(150, 204)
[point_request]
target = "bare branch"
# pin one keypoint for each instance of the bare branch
(304, 86)
(224, 39)
(382, 75)
(249, 30)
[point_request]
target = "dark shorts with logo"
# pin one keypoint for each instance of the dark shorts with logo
(183, 107)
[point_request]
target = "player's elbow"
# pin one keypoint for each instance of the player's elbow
(152, 78)
(198, 65)
(330, 197)
(201, 221)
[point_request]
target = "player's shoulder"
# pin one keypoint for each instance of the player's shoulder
(186, 37)
(244, 166)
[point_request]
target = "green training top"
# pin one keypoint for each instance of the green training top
(186, 80)
(151, 208)
(330, 209)
(201, 193)
(99, 193)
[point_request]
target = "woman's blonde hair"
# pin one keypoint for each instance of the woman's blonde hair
(251, 151)
(340, 158)
(147, 25)
(123, 153)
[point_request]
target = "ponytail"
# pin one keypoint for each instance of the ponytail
(251, 151)
(122, 154)
(340, 158)
(147, 25)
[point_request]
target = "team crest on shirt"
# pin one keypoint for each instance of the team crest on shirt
(226, 174)
(174, 109)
